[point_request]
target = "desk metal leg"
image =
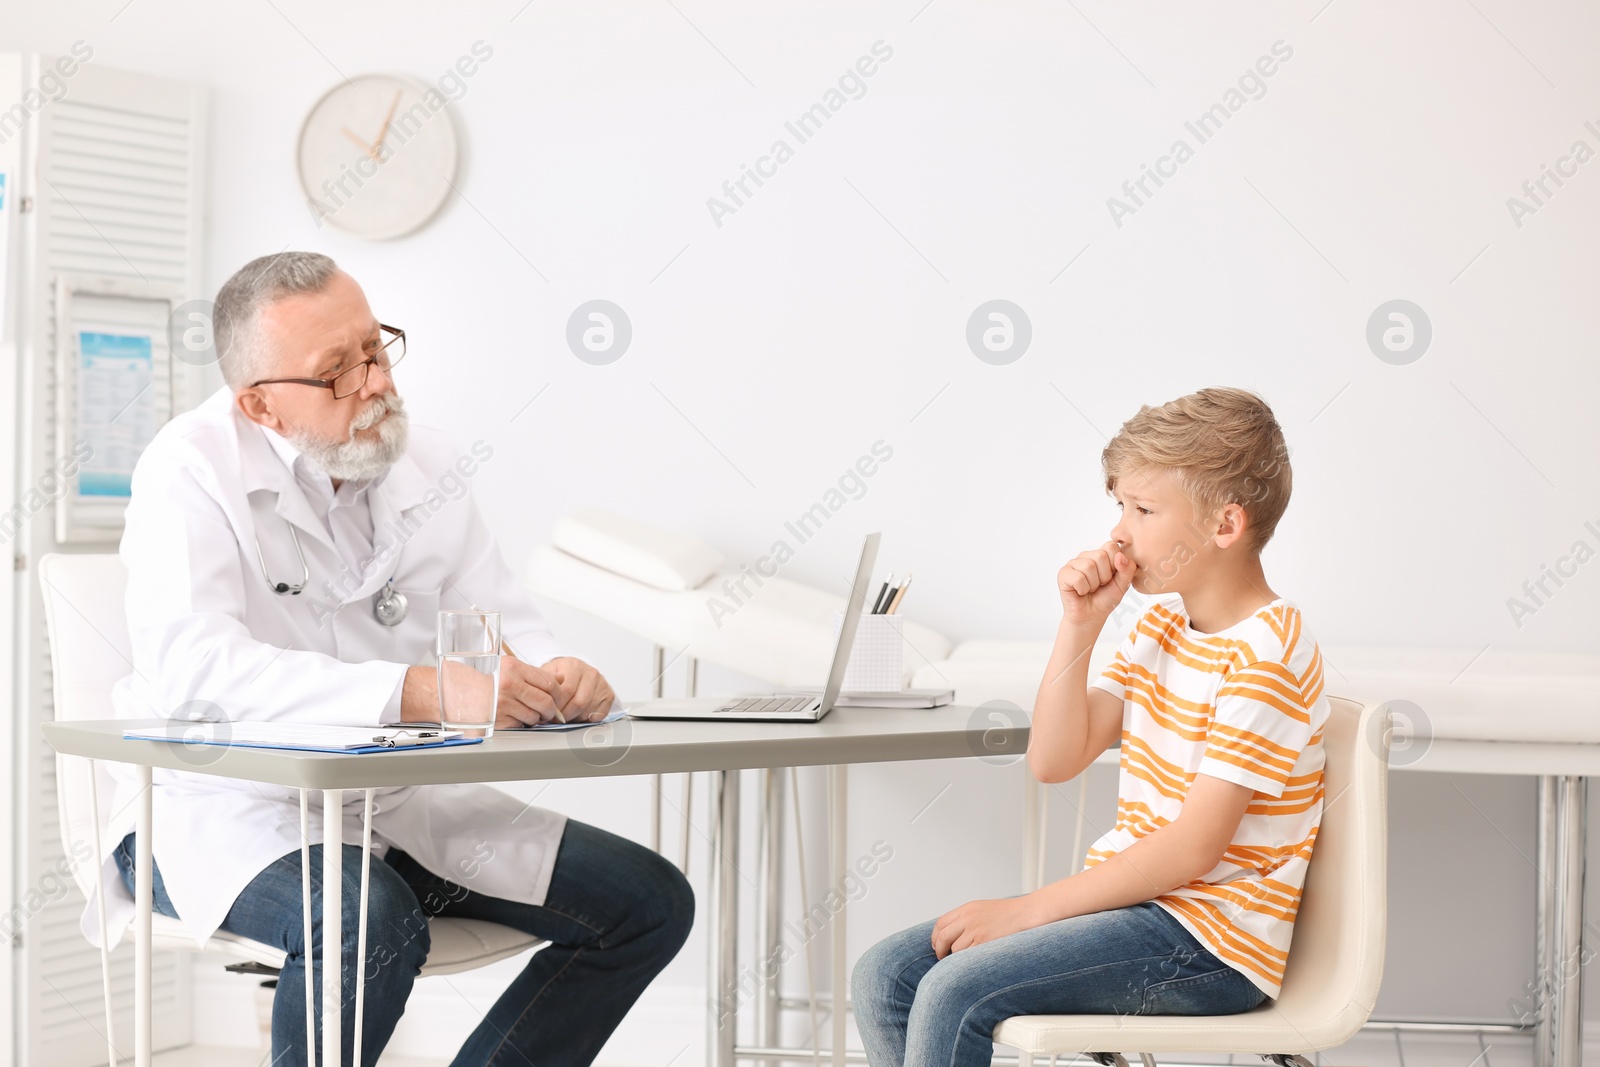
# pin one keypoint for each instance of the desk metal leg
(722, 999)
(838, 822)
(1544, 925)
(1035, 815)
(308, 961)
(332, 926)
(143, 902)
(769, 907)
(1566, 975)
(657, 669)
(361, 925)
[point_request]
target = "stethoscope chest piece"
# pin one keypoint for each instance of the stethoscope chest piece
(389, 605)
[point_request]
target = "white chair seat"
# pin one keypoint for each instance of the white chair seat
(782, 635)
(1264, 1031)
(455, 944)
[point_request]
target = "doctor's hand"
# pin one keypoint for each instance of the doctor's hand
(531, 695)
(591, 694)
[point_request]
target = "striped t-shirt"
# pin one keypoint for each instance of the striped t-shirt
(1245, 704)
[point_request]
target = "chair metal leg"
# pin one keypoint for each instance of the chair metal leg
(1147, 1059)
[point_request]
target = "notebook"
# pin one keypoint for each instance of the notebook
(899, 698)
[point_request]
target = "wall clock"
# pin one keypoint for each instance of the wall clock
(377, 156)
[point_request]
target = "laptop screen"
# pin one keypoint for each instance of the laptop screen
(852, 617)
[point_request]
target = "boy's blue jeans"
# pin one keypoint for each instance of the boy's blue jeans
(615, 914)
(915, 1010)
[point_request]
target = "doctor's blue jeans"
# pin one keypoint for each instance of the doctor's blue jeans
(615, 914)
(916, 1010)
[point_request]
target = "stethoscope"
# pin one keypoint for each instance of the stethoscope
(389, 606)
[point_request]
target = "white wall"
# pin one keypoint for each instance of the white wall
(830, 311)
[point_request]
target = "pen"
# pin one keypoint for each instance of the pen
(506, 649)
(894, 604)
(882, 593)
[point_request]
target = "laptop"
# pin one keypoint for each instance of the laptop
(794, 706)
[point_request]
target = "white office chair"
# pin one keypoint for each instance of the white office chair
(89, 652)
(1335, 957)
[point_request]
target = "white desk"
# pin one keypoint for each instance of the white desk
(846, 736)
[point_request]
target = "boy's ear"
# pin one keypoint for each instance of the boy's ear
(1232, 522)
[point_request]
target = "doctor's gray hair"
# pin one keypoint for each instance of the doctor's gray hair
(239, 302)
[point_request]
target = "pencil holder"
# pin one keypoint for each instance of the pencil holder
(877, 659)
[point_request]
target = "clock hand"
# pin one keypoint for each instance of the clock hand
(364, 146)
(386, 120)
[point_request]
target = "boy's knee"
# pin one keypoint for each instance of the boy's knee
(872, 979)
(953, 985)
(865, 985)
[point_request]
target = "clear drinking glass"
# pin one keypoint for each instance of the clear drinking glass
(469, 670)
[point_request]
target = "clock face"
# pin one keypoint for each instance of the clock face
(377, 155)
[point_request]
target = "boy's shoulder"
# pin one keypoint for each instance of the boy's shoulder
(1274, 633)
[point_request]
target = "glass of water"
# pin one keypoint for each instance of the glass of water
(469, 670)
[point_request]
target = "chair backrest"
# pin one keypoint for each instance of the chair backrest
(1336, 956)
(87, 627)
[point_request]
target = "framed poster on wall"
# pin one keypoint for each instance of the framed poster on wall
(113, 391)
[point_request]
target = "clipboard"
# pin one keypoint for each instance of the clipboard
(337, 740)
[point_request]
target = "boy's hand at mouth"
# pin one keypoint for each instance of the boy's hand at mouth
(1092, 585)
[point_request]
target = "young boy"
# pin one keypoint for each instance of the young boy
(1186, 906)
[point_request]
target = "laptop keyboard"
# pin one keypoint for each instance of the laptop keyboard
(772, 705)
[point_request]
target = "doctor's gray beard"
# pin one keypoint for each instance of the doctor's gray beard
(356, 459)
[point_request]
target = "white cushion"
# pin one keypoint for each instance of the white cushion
(661, 559)
(986, 670)
(1537, 697)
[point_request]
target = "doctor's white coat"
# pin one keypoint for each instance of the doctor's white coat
(209, 635)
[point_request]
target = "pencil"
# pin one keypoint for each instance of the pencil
(899, 595)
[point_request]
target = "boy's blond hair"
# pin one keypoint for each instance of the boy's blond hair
(1225, 447)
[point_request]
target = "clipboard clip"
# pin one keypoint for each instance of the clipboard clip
(404, 738)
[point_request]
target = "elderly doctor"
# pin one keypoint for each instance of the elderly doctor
(307, 451)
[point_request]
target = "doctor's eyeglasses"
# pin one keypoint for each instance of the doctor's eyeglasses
(391, 350)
